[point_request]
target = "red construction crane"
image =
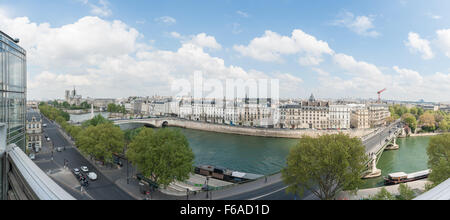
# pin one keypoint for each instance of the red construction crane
(379, 95)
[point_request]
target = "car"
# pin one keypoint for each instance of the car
(48, 139)
(32, 156)
(59, 149)
(76, 171)
(92, 176)
(46, 136)
(44, 125)
(84, 169)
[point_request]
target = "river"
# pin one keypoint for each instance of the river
(84, 117)
(411, 157)
(262, 155)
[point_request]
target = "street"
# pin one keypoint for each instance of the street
(101, 189)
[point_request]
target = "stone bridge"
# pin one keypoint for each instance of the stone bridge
(149, 122)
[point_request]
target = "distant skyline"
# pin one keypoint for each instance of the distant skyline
(334, 49)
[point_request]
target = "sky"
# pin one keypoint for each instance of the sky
(334, 49)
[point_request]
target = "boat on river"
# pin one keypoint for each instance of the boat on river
(225, 174)
(402, 177)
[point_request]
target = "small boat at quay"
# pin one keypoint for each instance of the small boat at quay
(225, 174)
(401, 177)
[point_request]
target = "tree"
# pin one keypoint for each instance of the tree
(383, 195)
(410, 120)
(325, 165)
(444, 126)
(439, 158)
(101, 141)
(405, 192)
(97, 120)
(163, 155)
(427, 121)
(130, 134)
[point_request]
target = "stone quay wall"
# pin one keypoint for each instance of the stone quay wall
(260, 132)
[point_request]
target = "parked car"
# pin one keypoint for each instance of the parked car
(84, 169)
(46, 136)
(92, 176)
(76, 171)
(48, 139)
(44, 125)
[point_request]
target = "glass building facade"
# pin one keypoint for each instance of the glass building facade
(13, 89)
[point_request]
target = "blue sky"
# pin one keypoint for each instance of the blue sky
(357, 47)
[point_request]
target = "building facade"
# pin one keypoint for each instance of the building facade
(359, 116)
(378, 114)
(12, 100)
(34, 130)
(311, 114)
(13, 89)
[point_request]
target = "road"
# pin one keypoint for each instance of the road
(101, 189)
(277, 190)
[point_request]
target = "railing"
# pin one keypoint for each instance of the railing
(440, 192)
(22, 179)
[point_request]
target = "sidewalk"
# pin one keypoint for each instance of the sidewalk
(367, 193)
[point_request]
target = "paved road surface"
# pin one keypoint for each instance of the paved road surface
(102, 189)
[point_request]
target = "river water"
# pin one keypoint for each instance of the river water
(84, 117)
(265, 156)
(411, 157)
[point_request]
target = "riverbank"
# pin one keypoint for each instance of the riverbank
(427, 134)
(367, 193)
(239, 130)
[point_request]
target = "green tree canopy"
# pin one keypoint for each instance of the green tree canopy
(97, 120)
(383, 195)
(439, 158)
(325, 165)
(163, 155)
(101, 141)
(410, 120)
(405, 192)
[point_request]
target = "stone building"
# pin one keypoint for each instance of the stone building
(378, 114)
(306, 114)
(359, 116)
(34, 130)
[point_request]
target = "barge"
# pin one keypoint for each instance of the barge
(401, 177)
(225, 174)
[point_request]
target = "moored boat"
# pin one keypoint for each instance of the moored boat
(225, 174)
(402, 177)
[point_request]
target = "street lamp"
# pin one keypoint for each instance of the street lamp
(207, 187)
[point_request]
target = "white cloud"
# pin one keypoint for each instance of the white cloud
(100, 9)
(104, 59)
(362, 25)
(205, 41)
(86, 41)
(243, 14)
(166, 20)
(443, 40)
(418, 45)
(271, 46)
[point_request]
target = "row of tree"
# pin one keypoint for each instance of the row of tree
(331, 163)
(113, 108)
(430, 121)
(65, 105)
(162, 155)
(52, 113)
